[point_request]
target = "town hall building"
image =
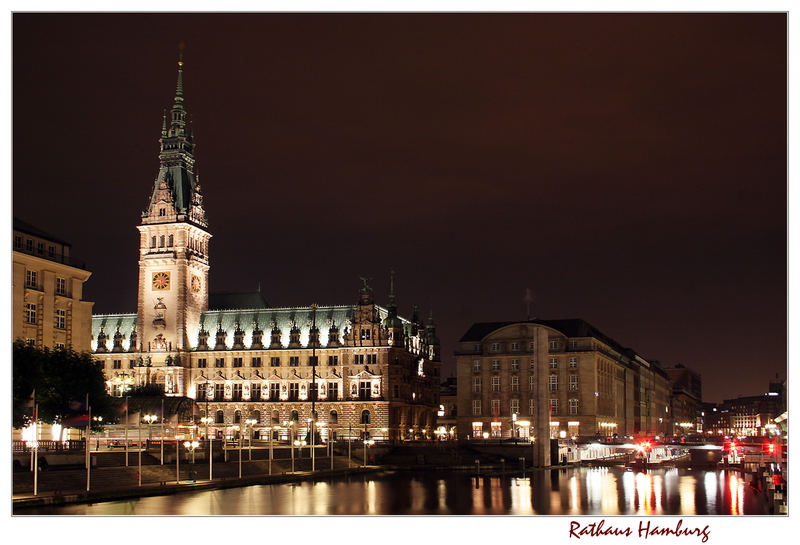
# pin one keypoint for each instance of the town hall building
(366, 370)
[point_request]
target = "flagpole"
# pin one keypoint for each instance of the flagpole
(88, 451)
(126, 431)
(139, 445)
(36, 450)
(162, 431)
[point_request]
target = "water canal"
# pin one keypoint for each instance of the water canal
(574, 491)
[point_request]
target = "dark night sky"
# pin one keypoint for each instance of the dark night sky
(630, 169)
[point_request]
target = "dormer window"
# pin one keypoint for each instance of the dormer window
(238, 338)
(294, 338)
(275, 338)
(333, 336)
(257, 335)
(202, 340)
(101, 342)
(117, 342)
(365, 334)
(313, 337)
(220, 345)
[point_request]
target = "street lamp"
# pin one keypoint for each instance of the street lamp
(269, 430)
(150, 419)
(207, 420)
(190, 446)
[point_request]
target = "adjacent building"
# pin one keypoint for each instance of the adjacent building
(48, 307)
(363, 368)
(564, 375)
(746, 415)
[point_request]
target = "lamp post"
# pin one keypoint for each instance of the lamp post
(190, 446)
(269, 462)
(207, 420)
(177, 458)
(313, 378)
(240, 450)
(150, 418)
(99, 420)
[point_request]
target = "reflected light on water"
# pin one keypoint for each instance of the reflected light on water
(644, 492)
(710, 483)
(521, 497)
(629, 489)
(686, 489)
(736, 488)
(609, 502)
(574, 496)
(658, 491)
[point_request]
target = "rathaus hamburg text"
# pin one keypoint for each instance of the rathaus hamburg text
(367, 370)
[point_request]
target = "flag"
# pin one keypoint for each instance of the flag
(79, 406)
(123, 409)
(78, 421)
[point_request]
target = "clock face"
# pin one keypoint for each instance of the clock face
(161, 281)
(196, 283)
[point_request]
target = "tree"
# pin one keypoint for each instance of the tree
(61, 379)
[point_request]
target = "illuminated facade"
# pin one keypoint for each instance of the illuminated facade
(563, 374)
(366, 368)
(48, 307)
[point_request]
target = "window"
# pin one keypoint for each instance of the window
(171, 240)
(476, 385)
(495, 347)
(30, 278)
(364, 390)
(17, 241)
(61, 319)
(333, 418)
(294, 361)
(161, 241)
(60, 346)
(255, 391)
(515, 347)
(396, 391)
(553, 383)
(358, 359)
(495, 365)
(275, 361)
(220, 419)
(29, 245)
(365, 334)
(495, 384)
(495, 407)
(553, 363)
(532, 364)
(531, 384)
(219, 362)
(153, 242)
(573, 382)
(295, 416)
(553, 407)
(255, 362)
(61, 286)
(202, 390)
(51, 251)
(40, 248)
(372, 359)
(294, 391)
(274, 391)
(531, 407)
(515, 365)
(237, 362)
(237, 392)
(573, 406)
(531, 346)
(219, 392)
(162, 212)
(554, 345)
(573, 363)
(313, 360)
(237, 417)
(365, 417)
(30, 313)
(476, 407)
(116, 364)
(201, 363)
(514, 383)
(333, 391)
(515, 406)
(333, 360)
(476, 366)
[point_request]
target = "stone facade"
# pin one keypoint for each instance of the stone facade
(562, 374)
(364, 368)
(48, 306)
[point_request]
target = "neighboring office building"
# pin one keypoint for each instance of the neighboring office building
(747, 415)
(48, 306)
(370, 370)
(564, 374)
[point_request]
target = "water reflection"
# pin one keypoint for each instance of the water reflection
(579, 491)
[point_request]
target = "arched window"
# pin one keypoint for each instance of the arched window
(365, 416)
(237, 417)
(171, 240)
(161, 241)
(295, 416)
(334, 417)
(220, 417)
(202, 414)
(257, 416)
(276, 417)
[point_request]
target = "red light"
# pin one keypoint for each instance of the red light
(776, 480)
(771, 448)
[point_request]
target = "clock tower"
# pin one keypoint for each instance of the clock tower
(173, 251)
